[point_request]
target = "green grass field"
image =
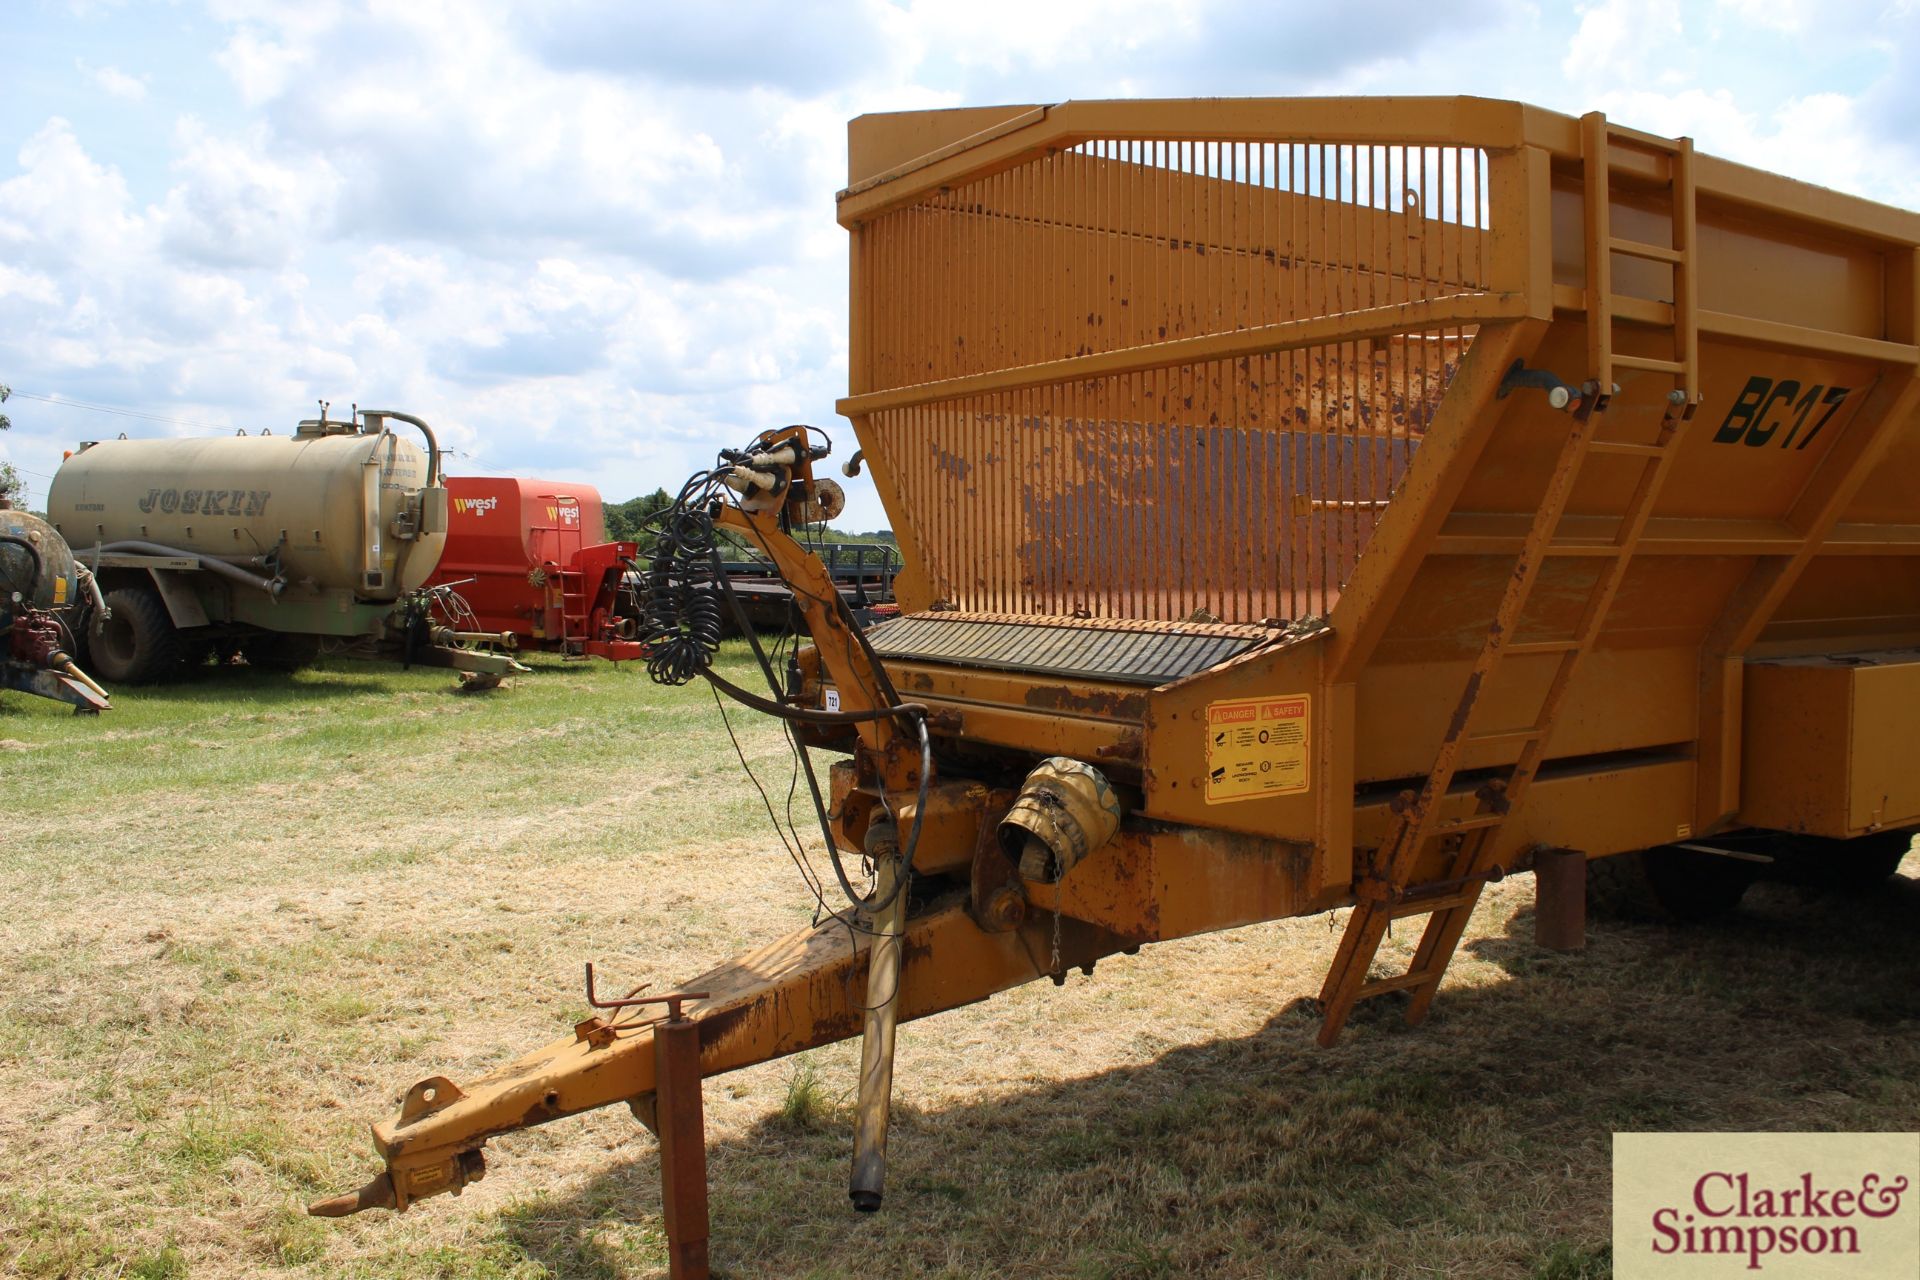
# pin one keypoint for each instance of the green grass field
(239, 916)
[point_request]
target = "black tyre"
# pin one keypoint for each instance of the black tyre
(1668, 883)
(1864, 862)
(280, 652)
(137, 643)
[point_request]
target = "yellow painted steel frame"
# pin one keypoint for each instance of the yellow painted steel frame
(1134, 364)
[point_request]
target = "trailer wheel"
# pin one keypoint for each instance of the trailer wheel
(1864, 862)
(1668, 884)
(280, 651)
(137, 643)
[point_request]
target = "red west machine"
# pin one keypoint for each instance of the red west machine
(531, 558)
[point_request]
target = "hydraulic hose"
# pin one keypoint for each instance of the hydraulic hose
(433, 445)
(92, 585)
(272, 586)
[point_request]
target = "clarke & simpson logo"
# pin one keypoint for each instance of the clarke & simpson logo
(1727, 1215)
(1782, 1205)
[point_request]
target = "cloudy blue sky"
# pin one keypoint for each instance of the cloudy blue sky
(594, 239)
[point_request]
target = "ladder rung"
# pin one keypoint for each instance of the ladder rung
(1649, 363)
(1381, 986)
(1505, 735)
(1526, 647)
(1641, 249)
(1473, 823)
(1428, 906)
(1620, 448)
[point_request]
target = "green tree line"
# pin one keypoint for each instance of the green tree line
(627, 522)
(12, 487)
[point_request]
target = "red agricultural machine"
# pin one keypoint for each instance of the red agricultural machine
(532, 560)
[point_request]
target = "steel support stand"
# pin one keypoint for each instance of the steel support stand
(1560, 899)
(683, 1144)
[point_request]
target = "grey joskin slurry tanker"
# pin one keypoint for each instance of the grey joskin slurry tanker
(276, 547)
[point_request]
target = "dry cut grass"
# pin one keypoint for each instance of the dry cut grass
(238, 917)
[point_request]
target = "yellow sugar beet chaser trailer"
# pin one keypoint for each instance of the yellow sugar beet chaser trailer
(1306, 504)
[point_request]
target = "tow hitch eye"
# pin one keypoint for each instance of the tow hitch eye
(451, 1174)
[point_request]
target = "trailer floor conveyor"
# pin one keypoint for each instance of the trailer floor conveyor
(1304, 504)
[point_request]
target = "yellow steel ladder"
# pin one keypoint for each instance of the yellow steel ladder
(1385, 893)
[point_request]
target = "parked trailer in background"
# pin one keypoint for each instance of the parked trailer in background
(862, 572)
(532, 560)
(1648, 587)
(275, 547)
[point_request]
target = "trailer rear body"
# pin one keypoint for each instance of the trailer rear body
(1308, 504)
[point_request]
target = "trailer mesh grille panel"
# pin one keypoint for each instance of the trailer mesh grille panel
(1129, 655)
(1246, 485)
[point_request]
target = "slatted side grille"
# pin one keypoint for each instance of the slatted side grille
(1130, 655)
(1246, 483)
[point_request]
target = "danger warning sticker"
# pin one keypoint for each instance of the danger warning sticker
(1256, 747)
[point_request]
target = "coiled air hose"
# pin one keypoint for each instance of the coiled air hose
(685, 591)
(682, 616)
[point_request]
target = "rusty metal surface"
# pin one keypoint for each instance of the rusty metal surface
(1122, 243)
(1127, 655)
(680, 1121)
(1245, 487)
(1560, 899)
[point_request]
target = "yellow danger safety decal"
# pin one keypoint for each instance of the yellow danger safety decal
(1256, 747)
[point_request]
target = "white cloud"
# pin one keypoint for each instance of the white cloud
(1624, 40)
(63, 208)
(596, 239)
(235, 204)
(113, 81)
(1819, 138)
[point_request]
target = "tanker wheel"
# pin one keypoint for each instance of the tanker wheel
(1864, 862)
(280, 651)
(1667, 884)
(137, 643)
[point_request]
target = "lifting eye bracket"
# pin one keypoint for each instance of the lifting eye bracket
(1559, 394)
